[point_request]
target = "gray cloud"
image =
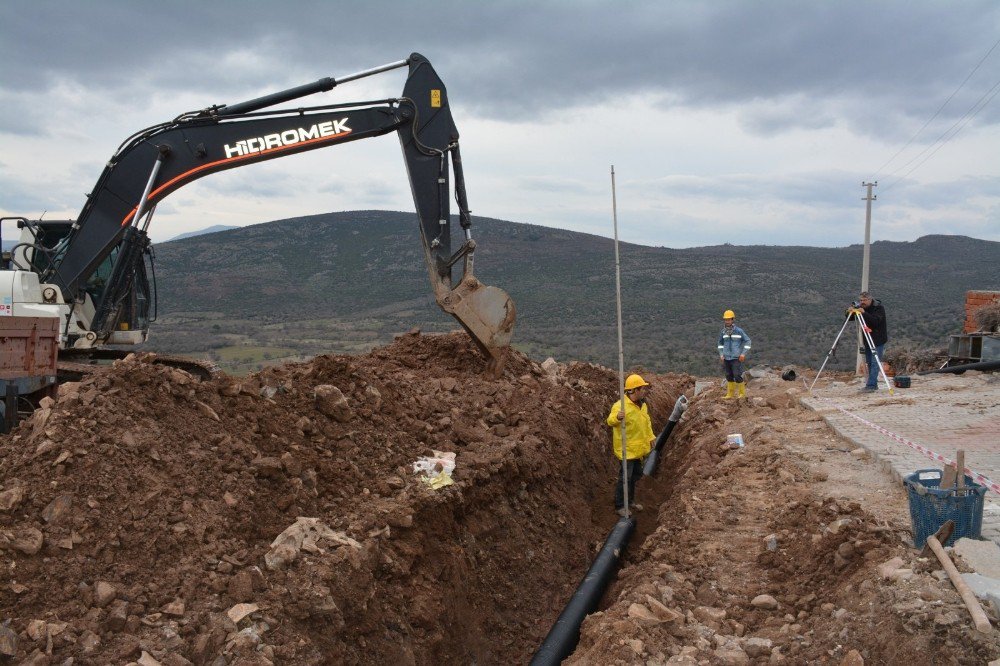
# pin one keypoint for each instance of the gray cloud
(519, 57)
(944, 194)
(821, 188)
(787, 114)
(553, 184)
(18, 197)
(363, 192)
(240, 182)
(874, 72)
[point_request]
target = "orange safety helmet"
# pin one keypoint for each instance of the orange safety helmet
(635, 381)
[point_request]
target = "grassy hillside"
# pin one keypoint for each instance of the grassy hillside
(342, 282)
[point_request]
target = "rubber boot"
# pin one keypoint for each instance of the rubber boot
(730, 388)
(743, 389)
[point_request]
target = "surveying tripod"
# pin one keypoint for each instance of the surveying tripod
(860, 318)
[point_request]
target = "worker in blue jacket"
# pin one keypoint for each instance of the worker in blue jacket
(734, 345)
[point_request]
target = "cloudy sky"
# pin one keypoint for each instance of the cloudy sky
(749, 122)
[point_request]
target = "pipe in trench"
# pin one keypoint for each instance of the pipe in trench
(654, 456)
(565, 633)
(959, 369)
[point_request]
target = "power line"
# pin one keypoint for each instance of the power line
(964, 118)
(936, 113)
(953, 130)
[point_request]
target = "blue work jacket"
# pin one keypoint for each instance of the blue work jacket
(733, 342)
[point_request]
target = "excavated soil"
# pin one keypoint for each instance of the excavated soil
(138, 513)
(139, 510)
(777, 518)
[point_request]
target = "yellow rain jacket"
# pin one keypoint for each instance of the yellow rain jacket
(639, 435)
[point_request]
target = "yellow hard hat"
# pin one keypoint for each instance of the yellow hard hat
(634, 382)
(729, 314)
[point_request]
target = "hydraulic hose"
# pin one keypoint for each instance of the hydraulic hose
(654, 456)
(959, 369)
(565, 633)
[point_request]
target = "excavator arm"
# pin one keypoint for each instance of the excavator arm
(153, 163)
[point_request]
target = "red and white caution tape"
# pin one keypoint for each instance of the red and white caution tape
(976, 476)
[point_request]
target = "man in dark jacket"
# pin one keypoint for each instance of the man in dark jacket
(874, 324)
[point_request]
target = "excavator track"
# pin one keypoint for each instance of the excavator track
(69, 368)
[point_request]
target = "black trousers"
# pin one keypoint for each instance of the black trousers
(734, 370)
(634, 472)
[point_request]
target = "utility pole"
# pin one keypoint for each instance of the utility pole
(865, 263)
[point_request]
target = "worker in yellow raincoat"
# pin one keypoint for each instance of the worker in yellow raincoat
(638, 438)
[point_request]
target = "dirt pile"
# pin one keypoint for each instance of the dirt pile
(137, 513)
(148, 517)
(750, 561)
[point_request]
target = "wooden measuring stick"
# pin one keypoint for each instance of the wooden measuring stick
(978, 616)
(960, 465)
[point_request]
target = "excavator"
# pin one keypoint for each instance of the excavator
(91, 273)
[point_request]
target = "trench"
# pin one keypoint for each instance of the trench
(591, 594)
(484, 582)
(518, 563)
(736, 524)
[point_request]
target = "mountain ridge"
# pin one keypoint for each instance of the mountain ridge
(215, 228)
(342, 282)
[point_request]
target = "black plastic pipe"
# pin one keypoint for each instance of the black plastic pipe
(565, 633)
(959, 369)
(654, 456)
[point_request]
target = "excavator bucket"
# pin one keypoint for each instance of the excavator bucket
(428, 141)
(487, 314)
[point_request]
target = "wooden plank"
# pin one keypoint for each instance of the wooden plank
(975, 609)
(960, 464)
(948, 477)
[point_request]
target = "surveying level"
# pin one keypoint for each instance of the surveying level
(860, 318)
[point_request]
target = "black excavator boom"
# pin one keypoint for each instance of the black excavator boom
(158, 160)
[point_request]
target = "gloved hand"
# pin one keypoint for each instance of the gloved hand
(743, 357)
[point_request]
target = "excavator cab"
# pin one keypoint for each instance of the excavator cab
(129, 321)
(39, 249)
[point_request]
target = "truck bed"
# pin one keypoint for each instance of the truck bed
(29, 346)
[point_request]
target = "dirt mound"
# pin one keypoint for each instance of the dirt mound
(137, 513)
